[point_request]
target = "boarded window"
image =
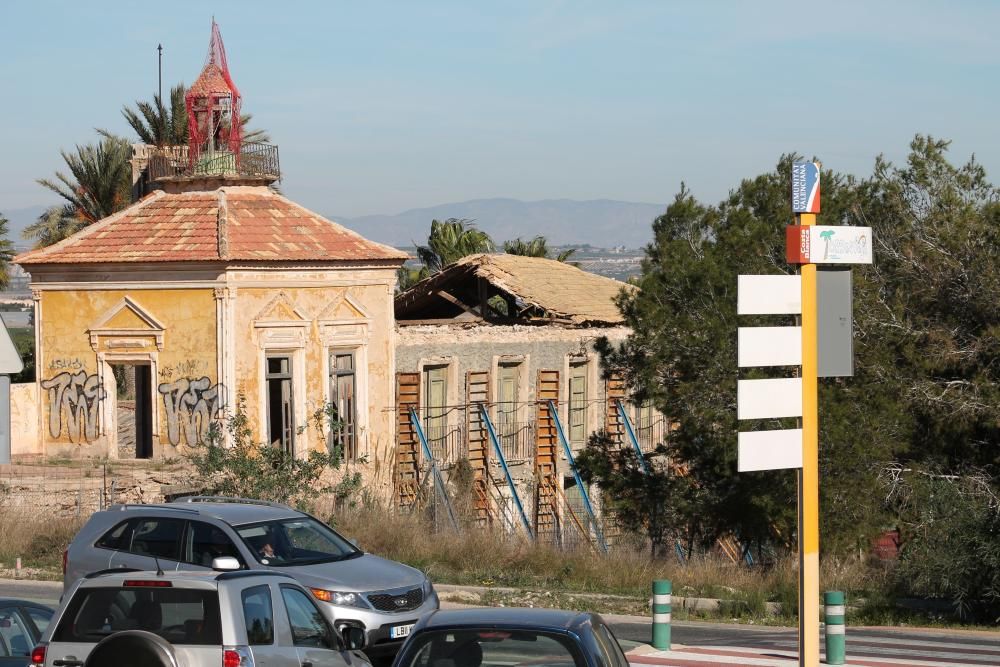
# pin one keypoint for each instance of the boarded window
(280, 413)
(507, 386)
(343, 392)
(578, 403)
(436, 401)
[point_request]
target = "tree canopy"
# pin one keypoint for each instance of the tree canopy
(536, 247)
(925, 390)
(98, 184)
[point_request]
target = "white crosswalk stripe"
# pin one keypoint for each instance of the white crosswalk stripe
(865, 651)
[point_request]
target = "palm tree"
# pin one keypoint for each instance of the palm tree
(53, 225)
(407, 277)
(536, 247)
(6, 252)
(450, 241)
(99, 184)
(155, 124)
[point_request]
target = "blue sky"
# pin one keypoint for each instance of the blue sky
(381, 107)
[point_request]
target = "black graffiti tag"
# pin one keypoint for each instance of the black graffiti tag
(78, 396)
(190, 405)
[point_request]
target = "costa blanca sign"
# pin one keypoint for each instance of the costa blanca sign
(818, 244)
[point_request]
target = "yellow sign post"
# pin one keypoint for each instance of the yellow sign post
(809, 473)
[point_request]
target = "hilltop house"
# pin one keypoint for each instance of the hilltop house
(211, 289)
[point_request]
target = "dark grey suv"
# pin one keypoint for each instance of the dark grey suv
(383, 597)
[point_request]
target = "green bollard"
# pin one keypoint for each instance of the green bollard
(661, 614)
(833, 613)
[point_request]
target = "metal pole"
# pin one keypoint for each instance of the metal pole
(506, 471)
(631, 435)
(159, 50)
(809, 474)
(438, 481)
(576, 476)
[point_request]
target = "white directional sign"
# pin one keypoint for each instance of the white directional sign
(769, 399)
(770, 450)
(768, 295)
(769, 346)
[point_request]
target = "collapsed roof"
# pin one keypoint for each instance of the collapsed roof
(512, 288)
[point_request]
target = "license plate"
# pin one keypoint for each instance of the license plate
(400, 631)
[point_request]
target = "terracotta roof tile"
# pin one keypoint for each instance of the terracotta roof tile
(209, 81)
(260, 225)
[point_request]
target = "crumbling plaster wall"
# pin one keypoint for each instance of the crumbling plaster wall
(83, 331)
(307, 313)
(24, 438)
(484, 346)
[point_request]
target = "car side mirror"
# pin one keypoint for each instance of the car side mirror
(225, 563)
(354, 637)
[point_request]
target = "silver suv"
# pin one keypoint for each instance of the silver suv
(382, 597)
(194, 619)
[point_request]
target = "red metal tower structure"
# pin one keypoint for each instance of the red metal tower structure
(213, 107)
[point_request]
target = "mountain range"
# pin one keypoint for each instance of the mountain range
(602, 223)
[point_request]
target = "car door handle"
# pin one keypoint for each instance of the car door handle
(307, 664)
(67, 663)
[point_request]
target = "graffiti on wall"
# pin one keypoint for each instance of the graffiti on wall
(191, 405)
(66, 364)
(188, 368)
(74, 404)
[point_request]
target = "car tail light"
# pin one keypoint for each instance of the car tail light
(236, 656)
(147, 583)
(38, 655)
(65, 560)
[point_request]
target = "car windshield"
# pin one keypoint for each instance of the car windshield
(491, 647)
(179, 615)
(301, 541)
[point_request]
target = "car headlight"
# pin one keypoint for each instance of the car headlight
(340, 599)
(428, 588)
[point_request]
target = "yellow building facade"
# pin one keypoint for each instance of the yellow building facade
(155, 323)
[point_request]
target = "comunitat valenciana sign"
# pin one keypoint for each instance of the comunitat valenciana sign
(818, 244)
(805, 187)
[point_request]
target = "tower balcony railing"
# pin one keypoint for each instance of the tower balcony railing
(253, 159)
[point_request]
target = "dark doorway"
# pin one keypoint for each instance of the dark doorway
(280, 415)
(134, 409)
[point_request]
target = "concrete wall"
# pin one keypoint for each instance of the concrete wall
(485, 347)
(24, 419)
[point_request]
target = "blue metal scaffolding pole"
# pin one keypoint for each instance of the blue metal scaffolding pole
(576, 475)
(506, 470)
(438, 480)
(631, 435)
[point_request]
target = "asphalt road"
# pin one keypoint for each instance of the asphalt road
(981, 648)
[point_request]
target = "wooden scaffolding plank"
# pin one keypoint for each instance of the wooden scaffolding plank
(477, 391)
(407, 444)
(546, 446)
(612, 420)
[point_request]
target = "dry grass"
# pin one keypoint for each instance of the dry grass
(37, 539)
(487, 558)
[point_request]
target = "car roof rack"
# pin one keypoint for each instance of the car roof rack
(244, 574)
(111, 570)
(139, 506)
(229, 499)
